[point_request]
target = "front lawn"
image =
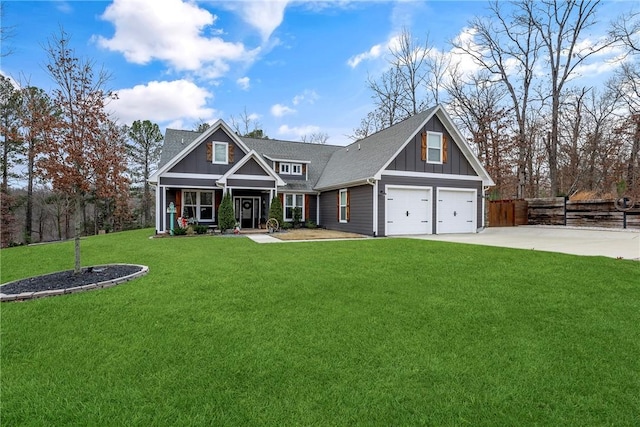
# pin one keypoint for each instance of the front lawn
(224, 331)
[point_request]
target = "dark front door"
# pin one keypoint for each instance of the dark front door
(246, 206)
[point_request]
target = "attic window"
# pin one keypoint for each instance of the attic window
(220, 153)
(296, 169)
(434, 147)
(285, 168)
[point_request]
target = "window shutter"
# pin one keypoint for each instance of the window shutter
(281, 197)
(209, 152)
(348, 205)
(277, 167)
(304, 169)
(179, 202)
(338, 206)
(444, 148)
(423, 152)
(306, 207)
(231, 147)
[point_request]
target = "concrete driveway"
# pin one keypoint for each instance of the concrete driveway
(577, 241)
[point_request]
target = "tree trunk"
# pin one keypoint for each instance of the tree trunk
(79, 214)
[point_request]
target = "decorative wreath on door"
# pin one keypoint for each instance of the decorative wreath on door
(246, 205)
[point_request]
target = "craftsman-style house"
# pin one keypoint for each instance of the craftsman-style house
(418, 176)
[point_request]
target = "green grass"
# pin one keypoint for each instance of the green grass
(223, 331)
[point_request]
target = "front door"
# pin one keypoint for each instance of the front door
(247, 211)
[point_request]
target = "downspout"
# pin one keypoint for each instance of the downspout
(318, 209)
(374, 183)
(484, 198)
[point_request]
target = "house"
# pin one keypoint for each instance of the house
(418, 176)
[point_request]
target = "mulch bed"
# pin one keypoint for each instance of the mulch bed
(68, 279)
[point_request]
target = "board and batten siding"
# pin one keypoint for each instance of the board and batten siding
(251, 168)
(196, 161)
(410, 158)
(360, 206)
(434, 183)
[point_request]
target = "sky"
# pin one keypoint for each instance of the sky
(295, 67)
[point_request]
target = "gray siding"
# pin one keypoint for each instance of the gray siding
(410, 158)
(253, 183)
(313, 208)
(188, 182)
(361, 210)
(426, 182)
(196, 160)
(251, 168)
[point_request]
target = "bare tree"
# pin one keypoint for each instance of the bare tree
(409, 59)
(80, 157)
(507, 45)
(316, 138)
(560, 25)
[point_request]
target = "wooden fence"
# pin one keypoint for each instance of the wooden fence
(581, 213)
(507, 213)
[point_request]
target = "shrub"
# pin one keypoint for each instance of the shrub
(275, 210)
(311, 224)
(200, 229)
(297, 216)
(286, 225)
(226, 218)
(180, 231)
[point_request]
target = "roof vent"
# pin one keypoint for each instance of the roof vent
(182, 141)
(358, 146)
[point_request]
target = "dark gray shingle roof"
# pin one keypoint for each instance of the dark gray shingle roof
(364, 158)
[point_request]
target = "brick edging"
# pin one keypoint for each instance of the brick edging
(100, 285)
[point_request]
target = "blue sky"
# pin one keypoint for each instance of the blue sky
(297, 67)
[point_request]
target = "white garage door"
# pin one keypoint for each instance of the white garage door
(456, 211)
(408, 210)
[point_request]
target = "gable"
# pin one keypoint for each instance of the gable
(251, 168)
(198, 160)
(410, 157)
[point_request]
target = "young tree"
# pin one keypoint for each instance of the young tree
(144, 153)
(77, 158)
(226, 218)
(275, 210)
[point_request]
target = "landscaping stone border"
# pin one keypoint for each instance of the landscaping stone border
(100, 285)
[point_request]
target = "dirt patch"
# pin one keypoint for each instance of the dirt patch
(315, 234)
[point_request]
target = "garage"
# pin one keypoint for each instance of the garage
(456, 210)
(408, 210)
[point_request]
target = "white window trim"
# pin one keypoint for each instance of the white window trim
(288, 171)
(341, 219)
(226, 153)
(284, 198)
(295, 166)
(198, 205)
(439, 134)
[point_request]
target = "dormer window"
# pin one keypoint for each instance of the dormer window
(291, 168)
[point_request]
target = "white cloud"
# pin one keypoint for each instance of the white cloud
(171, 31)
(298, 131)
(279, 110)
(264, 15)
(372, 53)
(308, 95)
(162, 102)
(244, 83)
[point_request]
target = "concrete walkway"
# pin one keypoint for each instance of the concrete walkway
(577, 241)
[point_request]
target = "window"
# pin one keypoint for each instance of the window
(343, 206)
(434, 147)
(285, 168)
(296, 169)
(198, 205)
(293, 201)
(220, 152)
